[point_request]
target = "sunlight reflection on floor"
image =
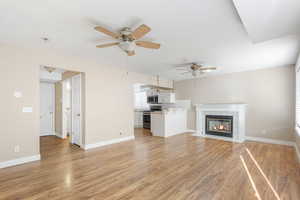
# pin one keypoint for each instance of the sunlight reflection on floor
(250, 178)
(263, 174)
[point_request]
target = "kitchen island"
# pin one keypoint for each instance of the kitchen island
(169, 122)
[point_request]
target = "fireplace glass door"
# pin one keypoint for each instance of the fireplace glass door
(219, 125)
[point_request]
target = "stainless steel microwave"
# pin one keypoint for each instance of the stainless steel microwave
(152, 99)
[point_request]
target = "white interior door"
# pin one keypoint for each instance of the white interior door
(46, 109)
(76, 110)
(67, 108)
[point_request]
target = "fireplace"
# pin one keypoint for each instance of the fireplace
(234, 113)
(219, 125)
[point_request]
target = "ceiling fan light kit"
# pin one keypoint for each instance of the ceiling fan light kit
(127, 46)
(128, 40)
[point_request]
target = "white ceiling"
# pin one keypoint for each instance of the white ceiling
(269, 19)
(208, 30)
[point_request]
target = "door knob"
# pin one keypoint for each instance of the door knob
(78, 115)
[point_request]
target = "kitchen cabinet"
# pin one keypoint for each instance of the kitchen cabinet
(169, 122)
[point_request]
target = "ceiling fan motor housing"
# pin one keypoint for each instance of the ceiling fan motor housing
(195, 67)
(126, 34)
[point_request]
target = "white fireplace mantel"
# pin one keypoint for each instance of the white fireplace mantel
(237, 111)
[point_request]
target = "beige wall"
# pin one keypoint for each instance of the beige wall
(108, 99)
(17, 127)
(269, 94)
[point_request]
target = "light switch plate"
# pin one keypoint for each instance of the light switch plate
(27, 109)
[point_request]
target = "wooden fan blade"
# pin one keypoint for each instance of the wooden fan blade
(146, 44)
(130, 53)
(107, 45)
(140, 31)
(208, 68)
(107, 32)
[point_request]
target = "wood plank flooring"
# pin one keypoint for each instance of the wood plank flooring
(180, 167)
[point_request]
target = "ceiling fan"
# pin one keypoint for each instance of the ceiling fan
(49, 69)
(128, 39)
(194, 68)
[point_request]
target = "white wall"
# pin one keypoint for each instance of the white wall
(269, 94)
(108, 100)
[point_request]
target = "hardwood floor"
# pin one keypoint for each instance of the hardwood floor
(180, 167)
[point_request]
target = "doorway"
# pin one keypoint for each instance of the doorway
(142, 114)
(61, 106)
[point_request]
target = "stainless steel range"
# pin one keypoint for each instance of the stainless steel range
(147, 119)
(147, 115)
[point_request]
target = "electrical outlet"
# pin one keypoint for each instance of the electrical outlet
(17, 149)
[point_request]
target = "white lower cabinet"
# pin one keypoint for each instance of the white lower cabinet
(169, 123)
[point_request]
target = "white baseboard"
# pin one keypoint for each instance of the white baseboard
(58, 135)
(271, 141)
(190, 131)
(197, 134)
(46, 135)
(104, 143)
(20, 161)
(297, 151)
